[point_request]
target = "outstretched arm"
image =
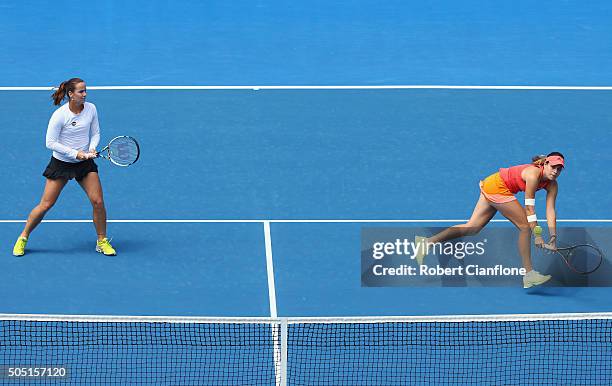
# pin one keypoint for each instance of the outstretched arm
(532, 178)
(551, 214)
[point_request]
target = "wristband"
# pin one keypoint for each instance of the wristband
(530, 201)
(532, 218)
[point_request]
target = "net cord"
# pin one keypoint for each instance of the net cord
(306, 320)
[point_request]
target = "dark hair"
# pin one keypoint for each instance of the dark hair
(538, 160)
(63, 89)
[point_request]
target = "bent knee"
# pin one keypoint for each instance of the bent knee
(97, 202)
(524, 227)
(45, 205)
(472, 230)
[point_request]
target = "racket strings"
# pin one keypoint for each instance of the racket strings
(581, 258)
(123, 151)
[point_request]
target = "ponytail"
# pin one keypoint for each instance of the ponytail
(59, 94)
(63, 90)
(538, 160)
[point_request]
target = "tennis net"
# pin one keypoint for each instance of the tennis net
(506, 349)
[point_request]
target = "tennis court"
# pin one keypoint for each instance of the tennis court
(270, 138)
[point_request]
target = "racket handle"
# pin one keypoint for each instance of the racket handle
(537, 231)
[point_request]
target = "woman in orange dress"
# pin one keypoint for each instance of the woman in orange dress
(497, 194)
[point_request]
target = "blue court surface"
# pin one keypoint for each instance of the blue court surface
(288, 155)
(250, 201)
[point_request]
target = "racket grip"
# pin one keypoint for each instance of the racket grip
(537, 231)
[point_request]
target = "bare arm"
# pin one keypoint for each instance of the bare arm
(531, 184)
(532, 179)
(551, 214)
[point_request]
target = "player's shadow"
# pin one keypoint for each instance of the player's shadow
(549, 291)
(69, 248)
(38, 251)
(88, 247)
(132, 245)
(121, 245)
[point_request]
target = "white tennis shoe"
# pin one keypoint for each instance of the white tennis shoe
(420, 243)
(533, 278)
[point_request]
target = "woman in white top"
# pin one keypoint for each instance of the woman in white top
(73, 135)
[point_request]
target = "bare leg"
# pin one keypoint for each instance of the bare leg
(483, 213)
(514, 212)
(53, 188)
(92, 187)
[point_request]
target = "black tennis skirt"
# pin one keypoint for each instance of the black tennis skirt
(69, 170)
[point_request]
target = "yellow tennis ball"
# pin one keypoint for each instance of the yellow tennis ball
(537, 230)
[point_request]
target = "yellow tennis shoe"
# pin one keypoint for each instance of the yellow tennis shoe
(20, 244)
(103, 246)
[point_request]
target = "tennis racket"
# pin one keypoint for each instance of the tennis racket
(121, 151)
(581, 258)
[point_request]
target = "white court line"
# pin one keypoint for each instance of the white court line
(322, 221)
(277, 330)
(315, 87)
(284, 352)
(270, 270)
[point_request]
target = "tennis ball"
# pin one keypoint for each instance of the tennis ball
(537, 230)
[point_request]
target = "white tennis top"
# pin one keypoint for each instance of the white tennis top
(69, 132)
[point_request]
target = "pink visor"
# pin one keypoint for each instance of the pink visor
(555, 160)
